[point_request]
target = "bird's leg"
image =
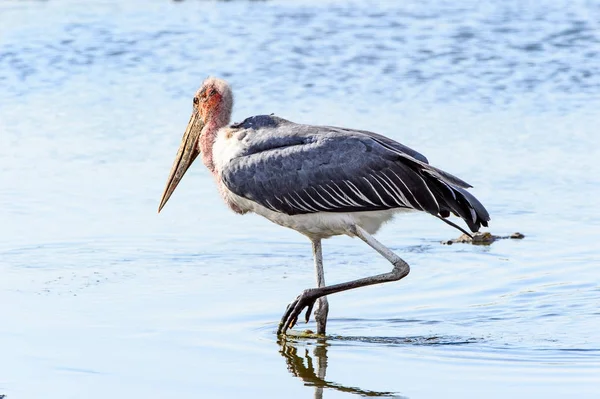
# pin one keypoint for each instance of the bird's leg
(322, 308)
(309, 296)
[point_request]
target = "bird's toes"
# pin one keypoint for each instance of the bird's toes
(294, 309)
(288, 318)
(308, 312)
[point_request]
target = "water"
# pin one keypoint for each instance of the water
(101, 297)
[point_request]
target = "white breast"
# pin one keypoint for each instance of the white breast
(228, 145)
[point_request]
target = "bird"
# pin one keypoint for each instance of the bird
(321, 181)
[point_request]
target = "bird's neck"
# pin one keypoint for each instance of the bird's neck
(207, 140)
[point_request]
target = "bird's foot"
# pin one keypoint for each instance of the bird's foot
(305, 300)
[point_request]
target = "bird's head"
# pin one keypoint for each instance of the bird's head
(213, 101)
(211, 111)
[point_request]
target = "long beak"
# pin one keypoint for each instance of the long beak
(187, 153)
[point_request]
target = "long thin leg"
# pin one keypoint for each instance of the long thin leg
(309, 296)
(322, 306)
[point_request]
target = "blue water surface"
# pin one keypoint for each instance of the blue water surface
(100, 297)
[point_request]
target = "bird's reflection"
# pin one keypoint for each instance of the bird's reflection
(312, 368)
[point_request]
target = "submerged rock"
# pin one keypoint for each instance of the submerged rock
(479, 238)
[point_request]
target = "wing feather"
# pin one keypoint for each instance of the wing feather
(295, 169)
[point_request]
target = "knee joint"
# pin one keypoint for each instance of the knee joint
(401, 268)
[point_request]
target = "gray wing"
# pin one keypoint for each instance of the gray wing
(404, 151)
(296, 169)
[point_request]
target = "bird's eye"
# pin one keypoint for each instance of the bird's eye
(196, 101)
(213, 92)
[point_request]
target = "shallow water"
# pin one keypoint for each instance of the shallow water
(101, 297)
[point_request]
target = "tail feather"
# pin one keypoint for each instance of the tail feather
(458, 201)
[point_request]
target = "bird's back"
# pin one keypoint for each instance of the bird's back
(296, 169)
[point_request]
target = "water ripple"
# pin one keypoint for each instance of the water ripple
(491, 54)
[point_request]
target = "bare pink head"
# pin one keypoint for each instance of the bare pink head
(213, 101)
(211, 111)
